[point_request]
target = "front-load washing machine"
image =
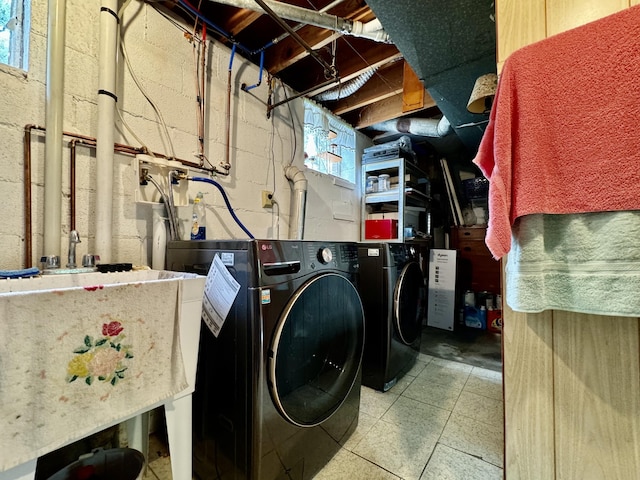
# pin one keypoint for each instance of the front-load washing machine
(393, 293)
(278, 389)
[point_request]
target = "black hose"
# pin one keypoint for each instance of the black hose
(226, 201)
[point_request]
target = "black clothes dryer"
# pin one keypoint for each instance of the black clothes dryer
(393, 293)
(278, 390)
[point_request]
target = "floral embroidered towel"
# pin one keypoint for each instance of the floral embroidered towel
(75, 360)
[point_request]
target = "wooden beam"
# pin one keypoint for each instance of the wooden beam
(387, 109)
(412, 90)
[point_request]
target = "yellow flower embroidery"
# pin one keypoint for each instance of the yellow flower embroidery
(79, 365)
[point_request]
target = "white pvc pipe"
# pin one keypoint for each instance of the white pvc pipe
(54, 115)
(299, 203)
(106, 118)
(159, 248)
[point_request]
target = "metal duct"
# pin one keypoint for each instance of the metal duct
(372, 30)
(425, 127)
(346, 89)
(299, 203)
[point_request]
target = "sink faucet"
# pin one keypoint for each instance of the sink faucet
(74, 237)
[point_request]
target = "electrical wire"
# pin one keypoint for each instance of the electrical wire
(173, 228)
(141, 87)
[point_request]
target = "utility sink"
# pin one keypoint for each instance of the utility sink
(73, 350)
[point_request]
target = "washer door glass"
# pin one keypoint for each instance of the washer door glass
(315, 355)
(409, 303)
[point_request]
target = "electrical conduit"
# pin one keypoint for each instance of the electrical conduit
(296, 224)
(106, 118)
(54, 115)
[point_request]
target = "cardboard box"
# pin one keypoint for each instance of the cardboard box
(380, 229)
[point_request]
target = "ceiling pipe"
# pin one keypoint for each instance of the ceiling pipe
(425, 127)
(317, 19)
(329, 70)
(54, 93)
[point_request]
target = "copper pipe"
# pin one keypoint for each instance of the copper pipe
(27, 196)
(72, 184)
(82, 140)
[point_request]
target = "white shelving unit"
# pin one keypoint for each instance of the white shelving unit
(408, 199)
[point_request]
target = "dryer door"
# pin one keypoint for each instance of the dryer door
(315, 355)
(408, 303)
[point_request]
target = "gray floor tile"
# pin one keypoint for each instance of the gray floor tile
(414, 415)
(486, 385)
(348, 465)
(445, 372)
(398, 449)
(376, 403)
(450, 464)
(427, 391)
(475, 438)
(481, 408)
(365, 423)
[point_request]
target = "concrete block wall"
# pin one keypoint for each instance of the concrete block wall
(162, 59)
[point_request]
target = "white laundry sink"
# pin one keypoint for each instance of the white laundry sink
(57, 327)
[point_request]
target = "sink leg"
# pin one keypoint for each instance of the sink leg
(178, 415)
(138, 435)
(25, 471)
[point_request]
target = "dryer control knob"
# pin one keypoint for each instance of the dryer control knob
(325, 255)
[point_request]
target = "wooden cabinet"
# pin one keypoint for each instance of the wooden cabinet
(477, 270)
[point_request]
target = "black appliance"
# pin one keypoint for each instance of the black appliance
(278, 390)
(393, 293)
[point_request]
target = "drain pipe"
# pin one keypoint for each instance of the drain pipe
(54, 115)
(106, 122)
(298, 206)
(317, 19)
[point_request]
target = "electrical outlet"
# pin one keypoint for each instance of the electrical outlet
(267, 199)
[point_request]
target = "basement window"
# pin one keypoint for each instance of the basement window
(14, 32)
(329, 143)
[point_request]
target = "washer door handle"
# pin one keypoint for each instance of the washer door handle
(281, 268)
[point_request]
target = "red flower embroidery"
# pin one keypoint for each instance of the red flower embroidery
(112, 329)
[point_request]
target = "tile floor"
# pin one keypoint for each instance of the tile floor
(442, 421)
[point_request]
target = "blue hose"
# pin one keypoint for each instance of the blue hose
(226, 200)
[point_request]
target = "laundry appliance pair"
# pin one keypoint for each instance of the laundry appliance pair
(393, 293)
(278, 385)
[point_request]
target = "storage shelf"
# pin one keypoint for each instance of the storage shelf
(408, 202)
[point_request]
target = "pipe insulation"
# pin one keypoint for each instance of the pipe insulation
(299, 203)
(54, 114)
(346, 89)
(315, 18)
(106, 125)
(425, 127)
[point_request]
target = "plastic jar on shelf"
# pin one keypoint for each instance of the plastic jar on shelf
(372, 184)
(383, 182)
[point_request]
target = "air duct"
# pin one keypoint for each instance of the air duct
(372, 30)
(346, 89)
(425, 127)
(299, 203)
